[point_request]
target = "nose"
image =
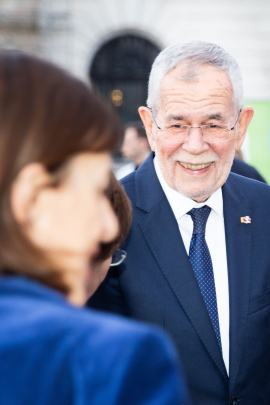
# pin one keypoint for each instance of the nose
(110, 223)
(195, 144)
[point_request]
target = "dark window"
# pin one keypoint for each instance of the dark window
(120, 69)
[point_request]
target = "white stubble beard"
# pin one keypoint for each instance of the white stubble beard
(206, 192)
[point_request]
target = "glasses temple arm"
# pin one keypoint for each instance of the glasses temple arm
(236, 120)
(153, 117)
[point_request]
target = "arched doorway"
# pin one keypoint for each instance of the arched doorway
(120, 69)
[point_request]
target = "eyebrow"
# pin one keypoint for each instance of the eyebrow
(175, 118)
(217, 116)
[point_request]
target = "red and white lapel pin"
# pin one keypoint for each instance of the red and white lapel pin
(245, 220)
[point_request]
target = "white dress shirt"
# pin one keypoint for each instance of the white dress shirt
(125, 170)
(215, 239)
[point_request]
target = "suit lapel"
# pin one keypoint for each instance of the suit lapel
(238, 246)
(161, 232)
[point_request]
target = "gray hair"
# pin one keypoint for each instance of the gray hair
(194, 54)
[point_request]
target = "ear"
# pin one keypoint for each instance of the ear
(146, 118)
(25, 189)
(243, 122)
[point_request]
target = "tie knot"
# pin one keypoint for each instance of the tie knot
(199, 217)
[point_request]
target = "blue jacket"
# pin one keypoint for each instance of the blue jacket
(52, 353)
(156, 284)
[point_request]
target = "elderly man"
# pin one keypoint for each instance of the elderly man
(198, 256)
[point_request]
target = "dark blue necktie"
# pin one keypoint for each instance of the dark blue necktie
(201, 263)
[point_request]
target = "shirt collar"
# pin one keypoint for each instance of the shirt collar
(181, 204)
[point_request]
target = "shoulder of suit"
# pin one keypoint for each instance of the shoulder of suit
(109, 337)
(250, 187)
(107, 333)
(130, 177)
(128, 183)
(70, 325)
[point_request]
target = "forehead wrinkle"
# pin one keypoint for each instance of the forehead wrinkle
(180, 100)
(174, 97)
(185, 109)
(168, 91)
(171, 92)
(211, 81)
(185, 104)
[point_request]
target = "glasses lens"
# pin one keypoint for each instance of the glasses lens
(211, 133)
(118, 257)
(175, 134)
(215, 133)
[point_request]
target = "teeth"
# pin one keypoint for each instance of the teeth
(194, 167)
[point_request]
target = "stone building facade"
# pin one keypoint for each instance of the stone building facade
(72, 32)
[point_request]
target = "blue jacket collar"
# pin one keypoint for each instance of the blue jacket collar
(20, 285)
(148, 189)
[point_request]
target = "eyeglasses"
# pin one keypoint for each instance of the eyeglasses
(212, 133)
(118, 257)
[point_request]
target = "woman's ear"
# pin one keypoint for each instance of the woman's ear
(25, 189)
(145, 114)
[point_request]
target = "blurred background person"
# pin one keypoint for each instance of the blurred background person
(244, 169)
(55, 142)
(135, 148)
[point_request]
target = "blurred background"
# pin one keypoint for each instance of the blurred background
(114, 42)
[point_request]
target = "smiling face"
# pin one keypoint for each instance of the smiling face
(196, 168)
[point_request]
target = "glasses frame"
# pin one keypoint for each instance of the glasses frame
(201, 127)
(123, 254)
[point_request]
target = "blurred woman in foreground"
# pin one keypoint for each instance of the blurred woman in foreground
(55, 140)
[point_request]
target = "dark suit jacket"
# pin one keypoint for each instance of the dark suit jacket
(242, 168)
(156, 283)
(52, 353)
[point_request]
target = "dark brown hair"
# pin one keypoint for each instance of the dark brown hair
(46, 116)
(122, 208)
